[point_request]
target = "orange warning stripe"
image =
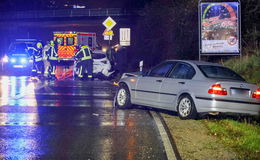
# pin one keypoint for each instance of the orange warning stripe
(66, 51)
(71, 48)
(64, 35)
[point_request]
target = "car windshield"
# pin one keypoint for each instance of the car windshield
(220, 72)
(20, 47)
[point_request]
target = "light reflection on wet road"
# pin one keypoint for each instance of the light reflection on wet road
(72, 120)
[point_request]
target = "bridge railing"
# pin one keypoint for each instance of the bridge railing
(66, 13)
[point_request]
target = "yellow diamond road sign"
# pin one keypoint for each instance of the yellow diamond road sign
(109, 23)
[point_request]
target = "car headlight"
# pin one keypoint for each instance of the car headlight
(23, 60)
(5, 59)
(13, 60)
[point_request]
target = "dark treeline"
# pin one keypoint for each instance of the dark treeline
(165, 29)
(168, 29)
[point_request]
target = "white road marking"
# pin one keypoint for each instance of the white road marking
(29, 87)
(71, 94)
(166, 141)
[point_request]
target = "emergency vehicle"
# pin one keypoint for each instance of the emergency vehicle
(18, 56)
(67, 42)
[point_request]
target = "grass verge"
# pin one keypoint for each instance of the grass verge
(242, 137)
(248, 66)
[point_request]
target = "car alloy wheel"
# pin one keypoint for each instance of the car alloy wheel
(121, 97)
(185, 107)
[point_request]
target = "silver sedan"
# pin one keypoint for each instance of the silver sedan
(189, 87)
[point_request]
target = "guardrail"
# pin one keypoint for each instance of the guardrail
(62, 13)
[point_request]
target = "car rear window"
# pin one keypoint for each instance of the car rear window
(98, 56)
(219, 72)
(60, 41)
(70, 41)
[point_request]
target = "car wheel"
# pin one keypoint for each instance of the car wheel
(186, 108)
(123, 97)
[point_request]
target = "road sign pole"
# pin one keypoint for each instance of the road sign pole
(109, 23)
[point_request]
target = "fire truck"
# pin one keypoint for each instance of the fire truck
(69, 40)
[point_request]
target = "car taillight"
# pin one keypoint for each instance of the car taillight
(217, 89)
(256, 94)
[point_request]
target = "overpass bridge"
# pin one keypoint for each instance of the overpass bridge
(67, 13)
(40, 24)
(65, 18)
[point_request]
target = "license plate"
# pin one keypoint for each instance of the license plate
(240, 92)
(18, 66)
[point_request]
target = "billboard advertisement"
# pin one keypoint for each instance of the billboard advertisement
(219, 26)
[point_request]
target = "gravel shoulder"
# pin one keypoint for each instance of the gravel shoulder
(194, 141)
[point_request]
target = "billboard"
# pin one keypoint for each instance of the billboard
(219, 28)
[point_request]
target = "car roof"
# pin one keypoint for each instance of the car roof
(197, 62)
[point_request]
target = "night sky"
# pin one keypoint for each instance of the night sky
(21, 5)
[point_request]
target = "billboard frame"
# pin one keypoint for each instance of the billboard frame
(239, 53)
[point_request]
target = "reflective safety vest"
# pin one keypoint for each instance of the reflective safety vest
(45, 52)
(52, 53)
(38, 55)
(84, 53)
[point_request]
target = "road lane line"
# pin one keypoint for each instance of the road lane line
(53, 105)
(165, 138)
(30, 86)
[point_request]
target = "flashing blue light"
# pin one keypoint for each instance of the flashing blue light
(23, 60)
(13, 60)
(5, 59)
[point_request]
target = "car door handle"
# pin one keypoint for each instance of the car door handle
(159, 80)
(181, 82)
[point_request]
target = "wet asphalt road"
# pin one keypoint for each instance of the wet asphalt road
(72, 120)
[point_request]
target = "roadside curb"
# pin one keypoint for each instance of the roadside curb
(168, 141)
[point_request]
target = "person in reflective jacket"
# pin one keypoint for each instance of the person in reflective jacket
(36, 54)
(38, 59)
(85, 62)
(45, 59)
(53, 58)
